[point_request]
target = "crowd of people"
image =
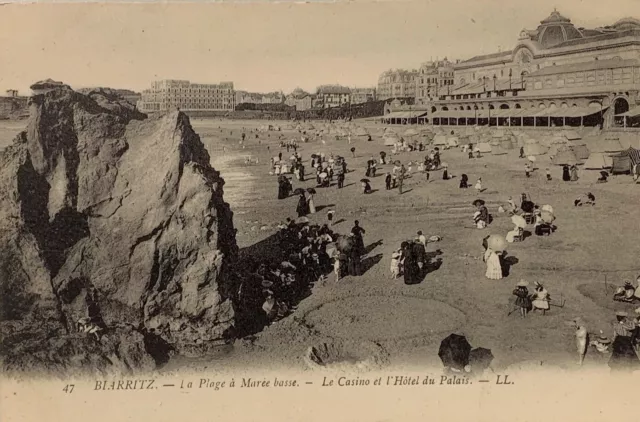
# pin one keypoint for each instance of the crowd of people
(315, 251)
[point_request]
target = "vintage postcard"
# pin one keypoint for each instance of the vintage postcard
(348, 210)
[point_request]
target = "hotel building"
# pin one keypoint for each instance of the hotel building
(169, 94)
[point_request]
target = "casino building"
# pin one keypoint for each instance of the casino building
(556, 75)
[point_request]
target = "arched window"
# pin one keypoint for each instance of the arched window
(491, 107)
(518, 106)
(541, 105)
(445, 108)
(501, 72)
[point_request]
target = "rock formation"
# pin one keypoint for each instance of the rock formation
(110, 216)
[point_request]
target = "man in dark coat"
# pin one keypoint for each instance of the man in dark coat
(411, 268)
(357, 233)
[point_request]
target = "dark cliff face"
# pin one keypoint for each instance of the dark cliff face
(112, 216)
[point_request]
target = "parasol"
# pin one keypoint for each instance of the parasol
(519, 221)
(477, 202)
(298, 191)
(302, 220)
(344, 244)
(496, 243)
(547, 217)
(323, 175)
(531, 158)
(397, 162)
(548, 208)
(365, 180)
(454, 351)
(312, 191)
(480, 359)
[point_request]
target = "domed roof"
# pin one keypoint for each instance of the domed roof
(556, 29)
(627, 23)
(555, 17)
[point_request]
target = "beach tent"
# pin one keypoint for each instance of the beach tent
(581, 151)
(624, 161)
(565, 156)
(534, 148)
(598, 161)
(499, 133)
(361, 132)
(411, 132)
(498, 150)
(571, 135)
(439, 140)
(494, 142)
(610, 145)
(390, 139)
(483, 147)
(506, 144)
(452, 141)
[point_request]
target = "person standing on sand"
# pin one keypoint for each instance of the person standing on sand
(302, 208)
(581, 339)
(401, 175)
(574, 173)
(522, 298)
(357, 232)
(387, 181)
(521, 152)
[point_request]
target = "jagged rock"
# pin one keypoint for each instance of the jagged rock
(120, 351)
(111, 215)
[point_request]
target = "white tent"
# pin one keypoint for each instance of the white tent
(534, 148)
(439, 140)
(452, 141)
(390, 139)
(483, 147)
(598, 161)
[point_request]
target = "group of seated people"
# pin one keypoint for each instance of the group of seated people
(272, 289)
(628, 293)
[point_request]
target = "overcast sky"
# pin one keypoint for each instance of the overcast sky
(264, 47)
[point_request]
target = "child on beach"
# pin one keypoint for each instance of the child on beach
(330, 215)
(548, 174)
(478, 185)
(396, 259)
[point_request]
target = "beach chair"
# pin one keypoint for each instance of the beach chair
(529, 217)
(520, 236)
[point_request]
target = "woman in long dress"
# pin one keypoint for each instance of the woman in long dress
(312, 206)
(302, 209)
(581, 339)
(566, 176)
(411, 267)
(494, 269)
(574, 173)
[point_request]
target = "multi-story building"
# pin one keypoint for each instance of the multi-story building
(362, 95)
(248, 97)
(169, 94)
(299, 99)
(333, 95)
(273, 98)
(557, 74)
(398, 83)
(432, 76)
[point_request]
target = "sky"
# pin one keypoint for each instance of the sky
(264, 46)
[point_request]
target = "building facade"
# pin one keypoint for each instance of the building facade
(299, 99)
(397, 83)
(333, 96)
(555, 75)
(362, 95)
(169, 94)
(431, 77)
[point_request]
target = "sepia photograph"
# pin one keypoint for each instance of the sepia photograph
(362, 195)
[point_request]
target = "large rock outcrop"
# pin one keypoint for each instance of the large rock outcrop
(108, 215)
